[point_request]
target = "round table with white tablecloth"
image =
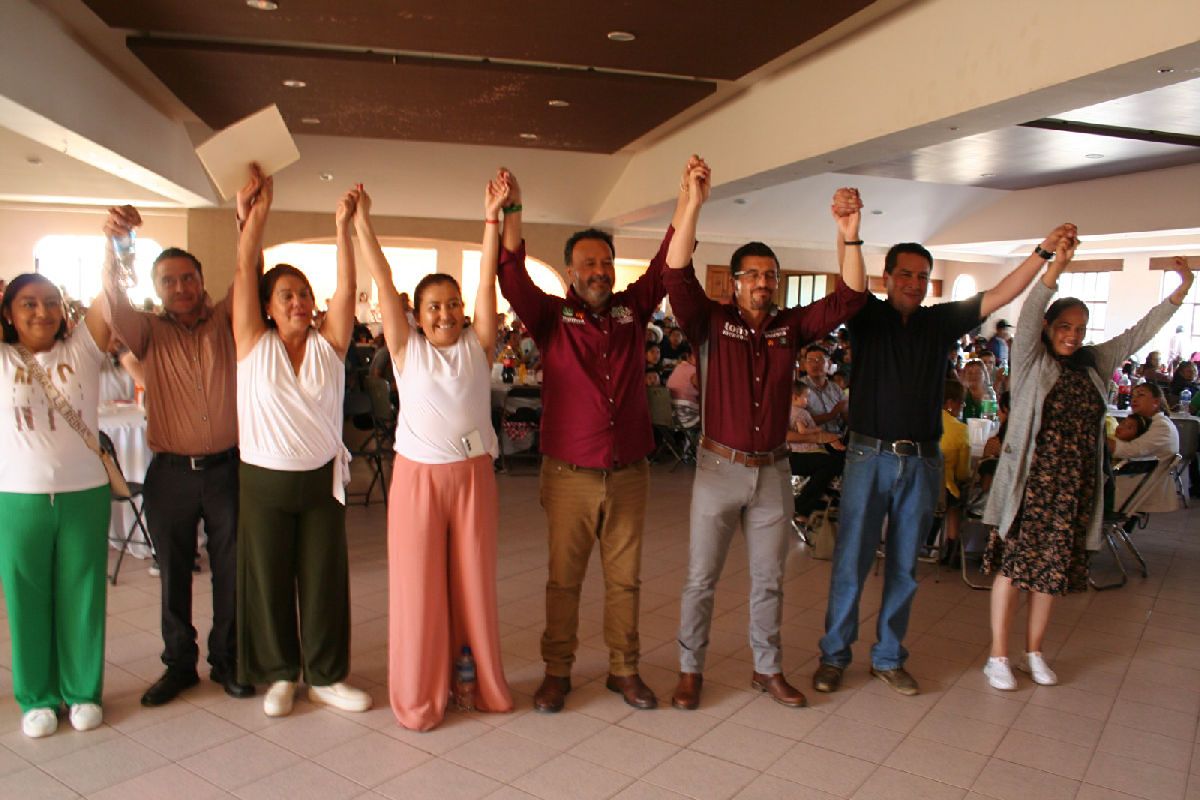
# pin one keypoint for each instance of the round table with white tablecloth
(125, 424)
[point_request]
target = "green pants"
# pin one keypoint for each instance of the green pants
(53, 558)
(292, 563)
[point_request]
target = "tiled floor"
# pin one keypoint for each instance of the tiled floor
(1122, 724)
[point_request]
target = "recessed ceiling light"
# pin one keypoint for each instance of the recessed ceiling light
(262, 5)
(953, 127)
(327, 176)
(620, 36)
(877, 211)
(1093, 155)
(292, 83)
(558, 103)
(741, 201)
(987, 174)
(528, 136)
(310, 120)
(33, 161)
(1165, 70)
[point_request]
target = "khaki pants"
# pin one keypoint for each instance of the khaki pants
(583, 506)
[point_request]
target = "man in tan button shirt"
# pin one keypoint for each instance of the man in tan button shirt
(188, 356)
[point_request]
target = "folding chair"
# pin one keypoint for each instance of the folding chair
(662, 418)
(522, 411)
(137, 504)
(973, 535)
(357, 408)
(1189, 438)
(1119, 524)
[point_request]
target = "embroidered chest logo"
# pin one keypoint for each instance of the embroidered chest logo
(734, 332)
(777, 337)
(572, 316)
(622, 314)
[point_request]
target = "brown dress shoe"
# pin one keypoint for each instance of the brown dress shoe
(827, 678)
(552, 694)
(898, 679)
(635, 692)
(687, 693)
(780, 690)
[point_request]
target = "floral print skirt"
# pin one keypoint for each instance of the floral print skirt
(1046, 548)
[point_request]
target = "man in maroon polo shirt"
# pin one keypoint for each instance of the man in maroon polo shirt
(595, 437)
(747, 353)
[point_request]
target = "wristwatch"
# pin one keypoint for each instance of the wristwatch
(1041, 252)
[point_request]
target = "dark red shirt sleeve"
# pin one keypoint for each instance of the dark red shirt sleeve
(811, 322)
(648, 291)
(692, 307)
(534, 308)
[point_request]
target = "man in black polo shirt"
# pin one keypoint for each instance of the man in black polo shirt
(893, 462)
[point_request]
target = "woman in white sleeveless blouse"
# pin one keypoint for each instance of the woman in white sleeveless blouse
(292, 516)
(443, 504)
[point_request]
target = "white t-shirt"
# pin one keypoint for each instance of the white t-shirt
(286, 421)
(39, 452)
(445, 394)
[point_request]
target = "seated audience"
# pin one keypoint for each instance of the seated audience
(684, 384)
(1159, 440)
(809, 456)
(1184, 378)
(654, 372)
(956, 463)
(975, 383)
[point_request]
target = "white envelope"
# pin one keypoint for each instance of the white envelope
(261, 137)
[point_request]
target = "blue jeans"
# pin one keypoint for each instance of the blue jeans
(877, 484)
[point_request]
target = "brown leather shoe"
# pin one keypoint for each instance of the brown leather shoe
(827, 678)
(898, 679)
(635, 692)
(687, 693)
(552, 694)
(780, 690)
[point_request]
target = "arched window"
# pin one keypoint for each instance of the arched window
(964, 287)
(544, 277)
(318, 262)
(75, 264)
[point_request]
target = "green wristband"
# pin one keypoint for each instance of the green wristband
(514, 208)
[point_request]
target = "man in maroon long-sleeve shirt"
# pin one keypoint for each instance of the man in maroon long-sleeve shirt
(747, 357)
(596, 435)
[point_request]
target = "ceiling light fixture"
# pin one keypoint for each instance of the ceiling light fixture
(528, 136)
(558, 103)
(953, 127)
(1093, 155)
(310, 120)
(263, 5)
(1165, 70)
(326, 176)
(292, 83)
(741, 201)
(34, 161)
(987, 174)
(877, 212)
(620, 36)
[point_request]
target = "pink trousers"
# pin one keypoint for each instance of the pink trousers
(442, 587)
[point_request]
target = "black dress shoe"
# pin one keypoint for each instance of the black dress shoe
(229, 682)
(168, 687)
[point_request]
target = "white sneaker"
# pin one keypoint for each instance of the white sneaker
(1039, 670)
(999, 674)
(278, 702)
(86, 716)
(340, 695)
(39, 722)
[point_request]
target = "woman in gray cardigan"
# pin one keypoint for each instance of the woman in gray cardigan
(1046, 501)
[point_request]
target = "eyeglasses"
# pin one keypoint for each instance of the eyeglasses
(753, 275)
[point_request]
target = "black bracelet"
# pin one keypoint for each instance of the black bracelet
(855, 242)
(514, 208)
(1041, 252)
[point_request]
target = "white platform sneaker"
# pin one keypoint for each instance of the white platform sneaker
(340, 695)
(86, 716)
(1039, 670)
(279, 699)
(999, 674)
(39, 722)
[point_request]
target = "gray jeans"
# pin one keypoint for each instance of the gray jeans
(722, 495)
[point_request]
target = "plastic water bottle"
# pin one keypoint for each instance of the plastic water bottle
(1185, 400)
(465, 683)
(989, 407)
(125, 248)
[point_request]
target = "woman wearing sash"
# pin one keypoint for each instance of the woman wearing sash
(292, 520)
(54, 506)
(442, 513)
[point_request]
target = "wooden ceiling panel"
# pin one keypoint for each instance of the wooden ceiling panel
(375, 96)
(1023, 158)
(701, 38)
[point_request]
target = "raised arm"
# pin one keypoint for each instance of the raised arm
(391, 305)
(248, 324)
(534, 308)
(693, 191)
(495, 196)
(1111, 353)
(339, 322)
(847, 213)
(127, 322)
(1016, 281)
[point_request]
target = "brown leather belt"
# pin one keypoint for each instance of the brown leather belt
(741, 456)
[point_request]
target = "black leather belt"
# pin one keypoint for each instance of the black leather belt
(197, 463)
(899, 447)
